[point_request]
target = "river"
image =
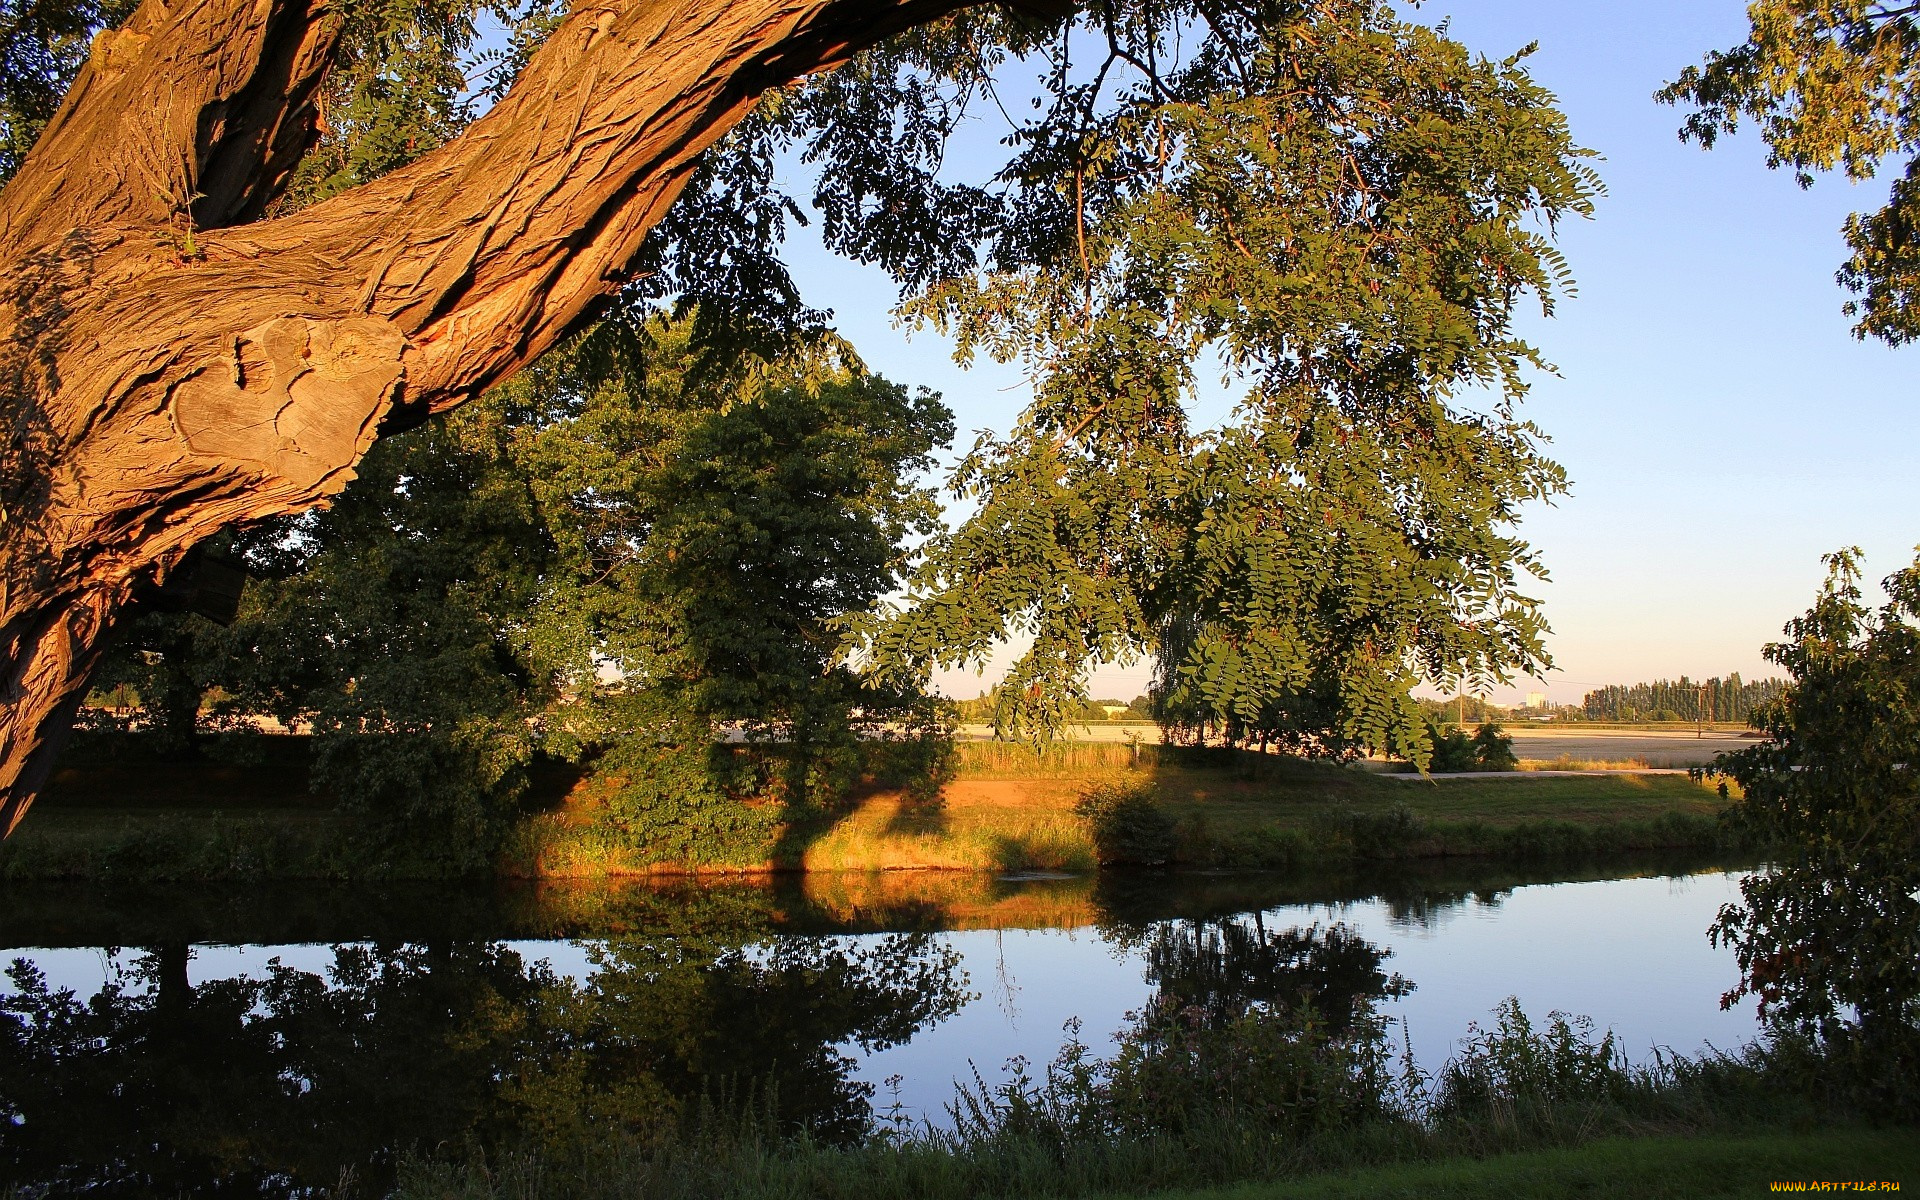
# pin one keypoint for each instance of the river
(177, 1036)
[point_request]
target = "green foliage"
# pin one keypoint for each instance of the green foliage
(408, 77)
(621, 567)
(1461, 709)
(1452, 749)
(1385, 833)
(684, 799)
(1340, 210)
(1828, 940)
(1510, 1066)
(1490, 748)
(1493, 748)
(1343, 211)
(1128, 826)
(716, 535)
(393, 624)
(1180, 1077)
(1831, 84)
(718, 531)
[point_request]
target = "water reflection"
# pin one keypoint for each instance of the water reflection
(298, 1079)
(1220, 970)
(427, 1030)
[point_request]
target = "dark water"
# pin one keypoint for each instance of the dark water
(274, 1040)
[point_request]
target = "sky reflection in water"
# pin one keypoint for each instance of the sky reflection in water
(1630, 953)
(916, 977)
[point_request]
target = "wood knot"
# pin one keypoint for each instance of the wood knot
(117, 50)
(299, 397)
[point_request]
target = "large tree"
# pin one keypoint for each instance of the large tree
(1340, 208)
(176, 360)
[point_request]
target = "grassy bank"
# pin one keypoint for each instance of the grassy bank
(1272, 1103)
(1011, 808)
(1664, 1167)
(1656, 1168)
(1006, 808)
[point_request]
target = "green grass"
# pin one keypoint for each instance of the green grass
(143, 844)
(1627, 1168)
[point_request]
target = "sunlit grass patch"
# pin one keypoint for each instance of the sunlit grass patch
(1567, 762)
(973, 827)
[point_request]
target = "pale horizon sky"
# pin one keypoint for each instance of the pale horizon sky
(1721, 426)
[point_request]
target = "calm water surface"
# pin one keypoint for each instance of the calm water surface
(167, 1038)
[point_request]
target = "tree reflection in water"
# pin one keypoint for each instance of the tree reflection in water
(296, 1080)
(1218, 969)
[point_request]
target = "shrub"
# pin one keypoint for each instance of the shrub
(1452, 750)
(1380, 834)
(1828, 939)
(1126, 824)
(1493, 749)
(1510, 1068)
(683, 801)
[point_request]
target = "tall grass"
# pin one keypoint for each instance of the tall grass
(1268, 1095)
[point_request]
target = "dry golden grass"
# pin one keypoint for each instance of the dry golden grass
(977, 825)
(1566, 762)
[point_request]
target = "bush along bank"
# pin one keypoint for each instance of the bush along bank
(1197, 1097)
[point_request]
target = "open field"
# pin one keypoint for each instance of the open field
(1621, 747)
(1653, 748)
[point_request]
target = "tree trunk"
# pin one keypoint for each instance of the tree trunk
(170, 363)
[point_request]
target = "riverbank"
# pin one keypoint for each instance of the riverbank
(1009, 809)
(1645, 1168)
(1651, 1168)
(1006, 808)
(1270, 1104)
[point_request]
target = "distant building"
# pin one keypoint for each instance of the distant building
(1536, 700)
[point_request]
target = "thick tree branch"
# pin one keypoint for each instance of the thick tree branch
(166, 380)
(195, 112)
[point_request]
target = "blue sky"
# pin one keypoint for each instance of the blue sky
(1721, 426)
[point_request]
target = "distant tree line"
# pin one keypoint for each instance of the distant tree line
(1470, 710)
(1682, 699)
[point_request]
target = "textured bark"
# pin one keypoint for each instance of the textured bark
(169, 368)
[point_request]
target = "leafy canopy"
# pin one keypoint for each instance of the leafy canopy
(1829, 938)
(1334, 211)
(1340, 213)
(1831, 85)
(590, 565)
(43, 45)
